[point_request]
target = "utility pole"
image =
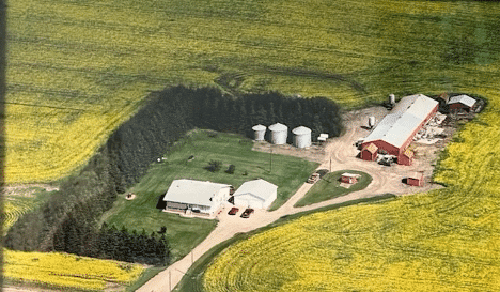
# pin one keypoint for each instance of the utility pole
(330, 163)
(270, 158)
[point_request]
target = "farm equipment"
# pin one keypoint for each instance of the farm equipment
(313, 178)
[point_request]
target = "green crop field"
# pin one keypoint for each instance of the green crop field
(78, 69)
(288, 173)
(444, 240)
(329, 187)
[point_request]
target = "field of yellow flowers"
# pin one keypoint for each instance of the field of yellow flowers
(13, 209)
(444, 240)
(61, 270)
(78, 69)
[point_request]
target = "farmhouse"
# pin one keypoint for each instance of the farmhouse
(393, 134)
(198, 196)
(256, 194)
(461, 103)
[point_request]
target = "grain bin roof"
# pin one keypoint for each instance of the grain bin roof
(278, 127)
(463, 99)
(192, 191)
(257, 188)
(301, 130)
(259, 127)
(404, 118)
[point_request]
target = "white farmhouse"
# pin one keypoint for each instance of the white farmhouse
(198, 196)
(256, 194)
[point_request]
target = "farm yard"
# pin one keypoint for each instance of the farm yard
(185, 233)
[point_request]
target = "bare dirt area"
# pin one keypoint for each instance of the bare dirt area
(337, 154)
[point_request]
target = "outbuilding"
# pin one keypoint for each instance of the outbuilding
(369, 152)
(256, 194)
(416, 179)
(461, 103)
(302, 137)
(394, 133)
(198, 196)
(349, 178)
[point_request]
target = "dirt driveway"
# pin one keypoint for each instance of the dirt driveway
(339, 154)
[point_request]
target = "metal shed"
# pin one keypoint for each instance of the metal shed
(278, 133)
(260, 132)
(302, 137)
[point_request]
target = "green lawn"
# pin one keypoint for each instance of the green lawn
(288, 173)
(329, 187)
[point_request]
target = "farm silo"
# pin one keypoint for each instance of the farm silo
(260, 132)
(278, 133)
(302, 137)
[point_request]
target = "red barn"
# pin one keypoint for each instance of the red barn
(394, 133)
(461, 103)
(416, 179)
(369, 152)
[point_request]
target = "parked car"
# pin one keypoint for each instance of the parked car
(233, 211)
(247, 213)
(313, 178)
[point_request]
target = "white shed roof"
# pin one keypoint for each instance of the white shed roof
(351, 174)
(405, 117)
(463, 99)
(278, 127)
(192, 191)
(301, 130)
(257, 188)
(259, 127)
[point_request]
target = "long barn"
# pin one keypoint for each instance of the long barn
(394, 133)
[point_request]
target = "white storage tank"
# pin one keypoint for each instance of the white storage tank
(260, 132)
(371, 122)
(392, 99)
(302, 137)
(278, 133)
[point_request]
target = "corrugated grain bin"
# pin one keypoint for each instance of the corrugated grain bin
(302, 137)
(260, 132)
(278, 133)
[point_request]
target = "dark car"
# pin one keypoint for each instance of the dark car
(247, 213)
(233, 211)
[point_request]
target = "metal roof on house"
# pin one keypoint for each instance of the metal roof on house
(193, 192)
(301, 130)
(278, 127)
(463, 99)
(257, 188)
(404, 118)
(259, 127)
(351, 174)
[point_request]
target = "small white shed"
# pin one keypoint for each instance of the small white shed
(302, 137)
(278, 133)
(256, 194)
(260, 132)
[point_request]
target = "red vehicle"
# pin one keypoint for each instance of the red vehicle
(247, 213)
(233, 211)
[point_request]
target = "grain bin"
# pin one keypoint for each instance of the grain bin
(278, 133)
(302, 137)
(260, 132)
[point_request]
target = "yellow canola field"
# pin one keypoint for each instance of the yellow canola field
(12, 211)
(444, 240)
(69, 271)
